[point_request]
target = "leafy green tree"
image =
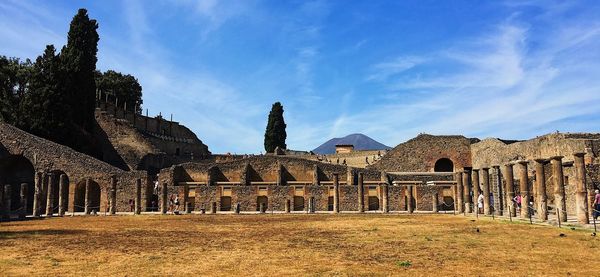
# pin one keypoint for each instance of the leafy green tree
(275, 134)
(124, 87)
(14, 80)
(78, 59)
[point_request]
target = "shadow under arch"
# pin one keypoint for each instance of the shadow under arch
(443, 165)
(14, 171)
(80, 195)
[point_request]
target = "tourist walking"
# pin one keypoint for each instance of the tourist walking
(596, 204)
(171, 203)
(480, 203)
(131, 205)
(177, 204)
(517, 200)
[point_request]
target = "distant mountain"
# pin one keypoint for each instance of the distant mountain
(360, 142)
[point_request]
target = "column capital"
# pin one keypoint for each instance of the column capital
(523, 162)
(475, 169)
(486, 168)
(509, 164)
(495, 166)
(579, 154)
(558, 158)
(541, 161)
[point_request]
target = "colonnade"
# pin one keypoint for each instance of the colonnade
(480, 183)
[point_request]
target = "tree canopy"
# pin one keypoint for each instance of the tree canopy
(275, 134)
(126, 88)
(54, 97)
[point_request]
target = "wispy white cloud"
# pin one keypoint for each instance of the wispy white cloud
(384, 70)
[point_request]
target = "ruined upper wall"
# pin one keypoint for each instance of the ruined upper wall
(493, 151)
(420, 154)
(145, 143)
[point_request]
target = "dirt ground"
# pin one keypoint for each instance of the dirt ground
(321, 244)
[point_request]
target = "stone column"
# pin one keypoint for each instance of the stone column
(113, 195)
(138, 197)
(476, 188)
(88, 201)
(559, 187)
(524, 188)
(186, 198)
(37, 194)
(315, 176)
(287, 205)
(7, 201)
(336, 193)
(311, 204)
(384, 196)
(467, 191)
(62, 191)
(350, 176)
(2, 210)
(499, 201)
(581, 189)
(50, 195)
(485, 175)
(540, 183)
(510, 189)
(409, 202)
(435, 202)
(23, 211)
(164, 205)
(280, 175)
(361, 193)
(459, 192)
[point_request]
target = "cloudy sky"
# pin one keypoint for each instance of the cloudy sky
(388, 69)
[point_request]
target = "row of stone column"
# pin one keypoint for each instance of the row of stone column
(465, 185)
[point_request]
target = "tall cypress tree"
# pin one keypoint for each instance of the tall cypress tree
(79, 65)
(275, 134)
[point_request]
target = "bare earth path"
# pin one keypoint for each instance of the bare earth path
(371, 244)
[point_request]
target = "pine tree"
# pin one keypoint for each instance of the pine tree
(275, 134)
(78, 59)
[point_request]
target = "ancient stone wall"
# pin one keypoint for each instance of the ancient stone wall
(132, 144)
(281, 177)
(421, 153)
(52, 158)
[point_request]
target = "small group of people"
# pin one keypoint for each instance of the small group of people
(174, 204)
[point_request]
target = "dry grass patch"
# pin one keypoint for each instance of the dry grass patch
(293, 244)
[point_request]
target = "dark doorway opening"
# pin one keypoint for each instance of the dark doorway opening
(225, 203)
(444, 165)
(298, 203)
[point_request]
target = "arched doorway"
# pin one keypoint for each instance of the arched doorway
(443, 165)
(79, 197)
(14, 171)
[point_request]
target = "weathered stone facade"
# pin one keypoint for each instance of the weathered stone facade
(421, 153)
(282, 179)
(29, 155)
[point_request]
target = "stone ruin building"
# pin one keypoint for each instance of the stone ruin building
(425, 174)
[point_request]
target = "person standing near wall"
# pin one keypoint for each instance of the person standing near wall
(480, 203)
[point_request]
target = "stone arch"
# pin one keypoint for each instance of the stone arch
(14, 171)
(443, 165)
(79, 196)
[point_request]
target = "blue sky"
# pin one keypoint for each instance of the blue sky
(388, 69)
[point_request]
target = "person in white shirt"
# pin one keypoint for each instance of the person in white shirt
(480, 203)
